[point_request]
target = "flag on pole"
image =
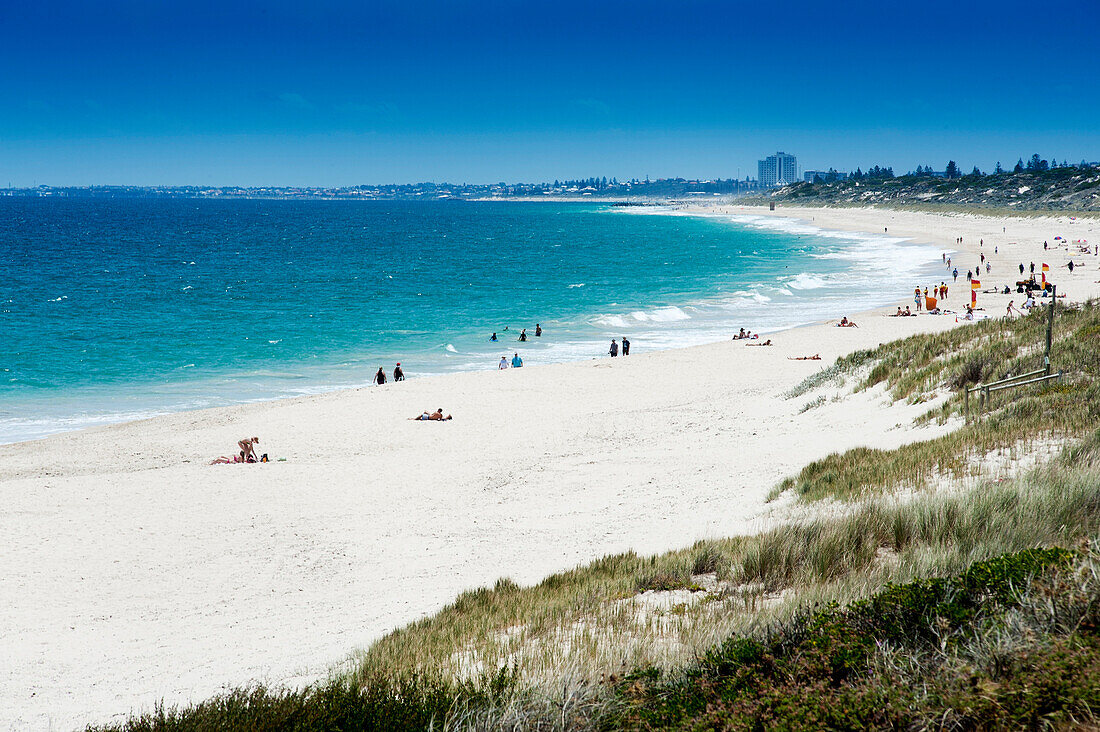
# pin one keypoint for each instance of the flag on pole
(1046, 267)
(975, 285)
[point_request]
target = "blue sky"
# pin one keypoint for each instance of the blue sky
(334, 93)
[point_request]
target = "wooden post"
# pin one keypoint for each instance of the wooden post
(966, 400)
(1050, 327)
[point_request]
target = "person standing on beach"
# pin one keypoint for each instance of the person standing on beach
(503, 364)
(380, 377)
(517, 362)
(955, 275)
(1021, 269)
(626, 343)
(398, 374)
(614, 348)
(1033, 269)
(969, 275)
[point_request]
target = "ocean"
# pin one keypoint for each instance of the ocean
(118, 309)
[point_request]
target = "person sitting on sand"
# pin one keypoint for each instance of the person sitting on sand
(845, 323)
(765, 343)
(247, 450)
(740, 336)
(898, 314)
(815, 357)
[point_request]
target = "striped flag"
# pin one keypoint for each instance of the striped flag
(975, 285)
(1046, 267)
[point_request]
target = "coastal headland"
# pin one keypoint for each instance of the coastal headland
(136, 572)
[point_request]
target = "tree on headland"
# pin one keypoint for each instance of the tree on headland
(1019, 166)
(952, 170)
(1037, 164)
(976, 171)
(998, 170)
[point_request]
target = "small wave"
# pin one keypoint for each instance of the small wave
(805, 281)
(185, 289)
(612, 321)
(280, 340)
(579, 284)
(668, 314)
(451, 348)
(59, 299)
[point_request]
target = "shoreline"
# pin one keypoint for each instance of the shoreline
(709, 314)
(139, 573)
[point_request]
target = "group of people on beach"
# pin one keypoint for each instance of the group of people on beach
(614, 350)
(398, 374)
(247, 454)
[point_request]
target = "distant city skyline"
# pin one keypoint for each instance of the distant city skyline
(338, 94)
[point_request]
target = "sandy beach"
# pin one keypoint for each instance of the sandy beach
(135, 572)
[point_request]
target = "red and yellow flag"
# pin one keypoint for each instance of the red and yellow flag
(1046, 267)
(975, 285)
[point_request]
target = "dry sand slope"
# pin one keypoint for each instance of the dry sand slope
(133, 571)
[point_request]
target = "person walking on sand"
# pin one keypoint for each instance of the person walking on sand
(380, 377)
(248, 449)
(517, 362)
(398, 374)
(955, 275)
(1021, 269)
(503, 364)
(626, 343)
(614, 348)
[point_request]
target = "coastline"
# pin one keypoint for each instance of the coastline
(130, 550)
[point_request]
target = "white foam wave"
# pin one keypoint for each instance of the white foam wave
(579, 284)
(806, 281)
(451, 348)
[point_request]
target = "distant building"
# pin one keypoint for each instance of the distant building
(777, 170)
(809, 175)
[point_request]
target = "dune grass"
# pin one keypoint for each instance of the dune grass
(921, 367)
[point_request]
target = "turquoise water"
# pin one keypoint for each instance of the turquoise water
(117, 309)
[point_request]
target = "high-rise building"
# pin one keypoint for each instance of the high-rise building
(777, 170)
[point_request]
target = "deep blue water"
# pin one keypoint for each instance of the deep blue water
(112, 309)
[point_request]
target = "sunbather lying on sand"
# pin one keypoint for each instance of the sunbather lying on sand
(436, 416)
(765, 343)
(225, 459)
(815, 357)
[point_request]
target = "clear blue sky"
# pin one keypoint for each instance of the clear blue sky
(331, 93)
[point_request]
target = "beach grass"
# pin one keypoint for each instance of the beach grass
(923, 367)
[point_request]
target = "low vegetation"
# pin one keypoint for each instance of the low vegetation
(1073, 189)
(954, 609)
(923, 367)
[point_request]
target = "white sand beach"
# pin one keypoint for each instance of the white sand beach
(134, 572)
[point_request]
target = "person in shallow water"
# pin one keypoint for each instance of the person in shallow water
(380, 377)
(398, 374)
(503, 363)
(517, 362)
(522, 335)
(493, 337)
(538, 330)
(614, 351)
